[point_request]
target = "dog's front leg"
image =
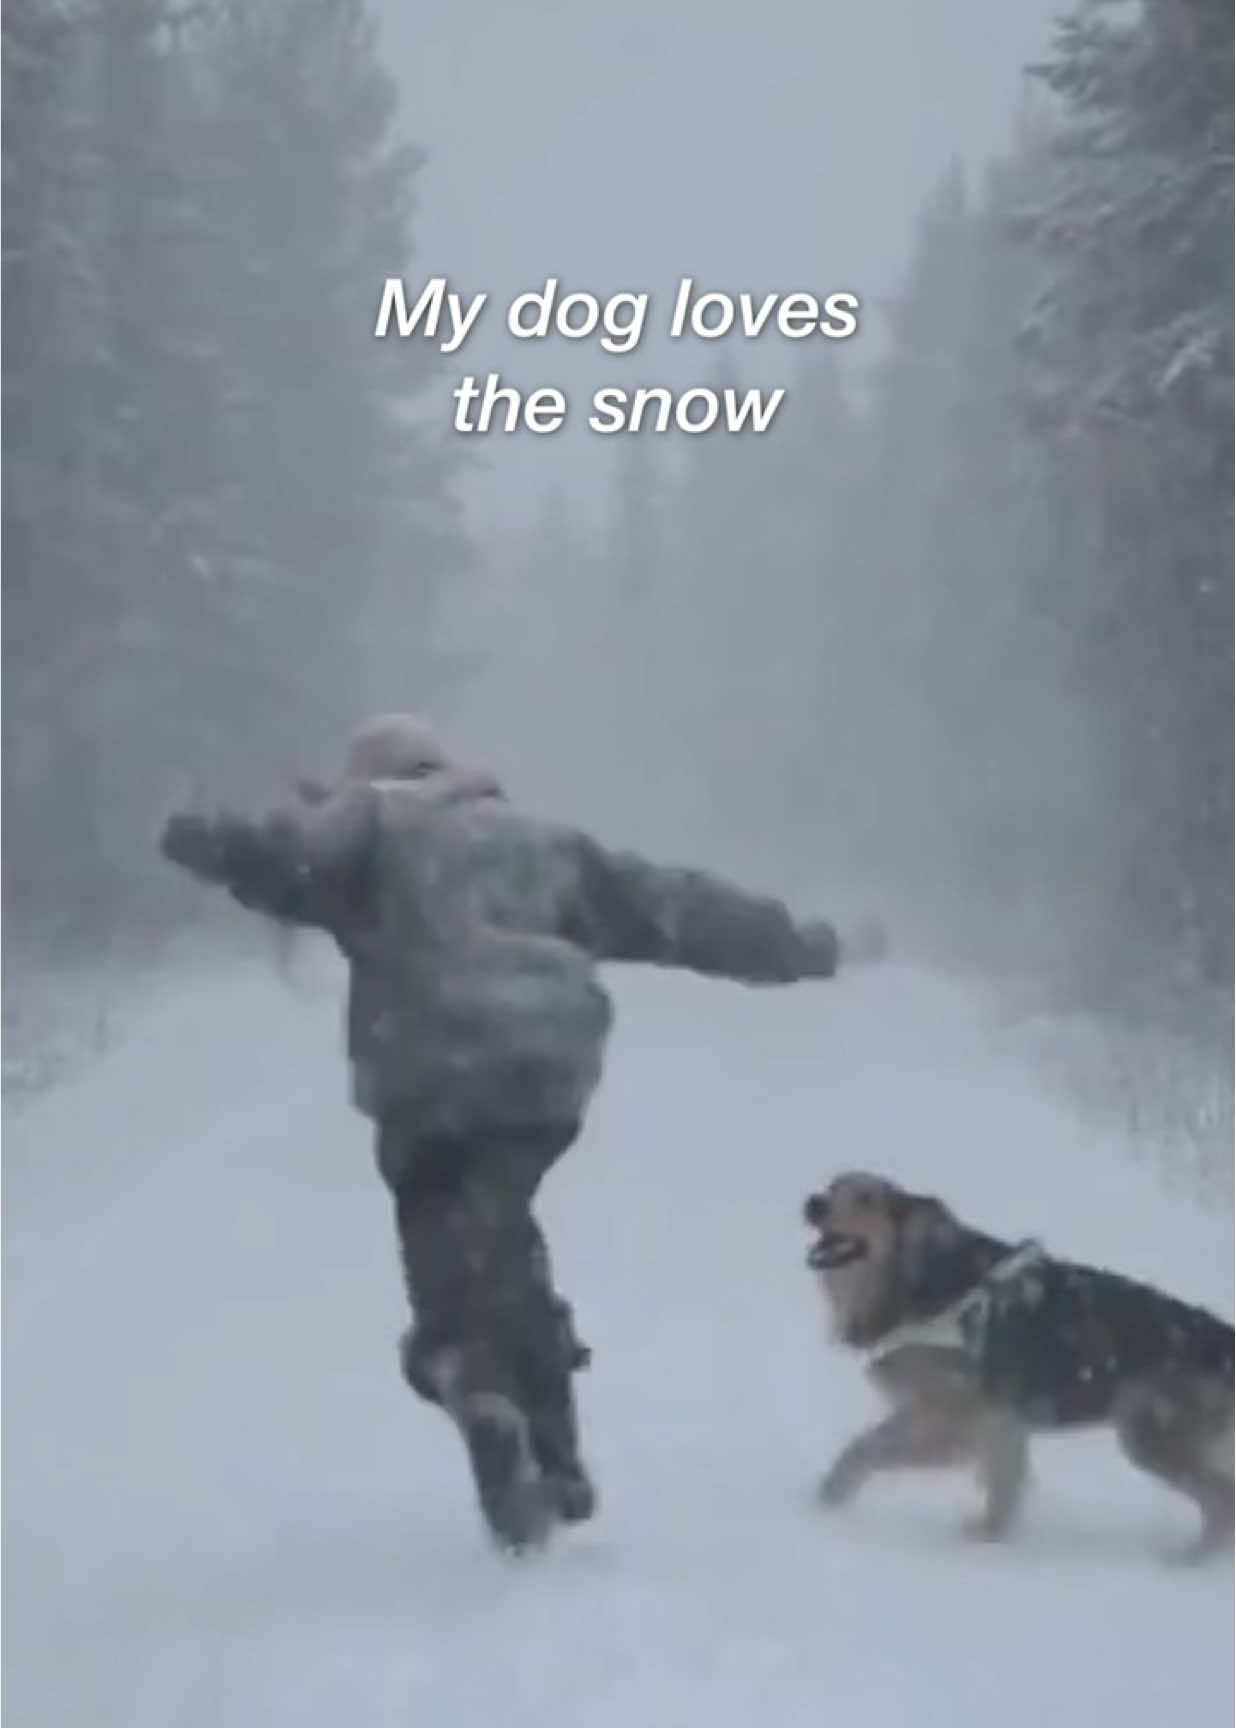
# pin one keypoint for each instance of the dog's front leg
(1004, 1468)
(914, 1436)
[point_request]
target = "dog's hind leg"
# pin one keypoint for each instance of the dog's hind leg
(914, 1436)
(1003, 1464)
(1178, 1426)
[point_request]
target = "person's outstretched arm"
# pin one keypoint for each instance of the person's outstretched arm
(630, 910)
(305, 866)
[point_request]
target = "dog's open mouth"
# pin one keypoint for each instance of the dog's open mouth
(834, 1248)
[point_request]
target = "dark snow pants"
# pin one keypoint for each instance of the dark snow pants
(478, 1277)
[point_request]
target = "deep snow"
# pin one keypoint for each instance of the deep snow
(221, 1507)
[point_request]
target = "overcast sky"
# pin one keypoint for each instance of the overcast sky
(752, 147)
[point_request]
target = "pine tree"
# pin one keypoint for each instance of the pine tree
(1131, 353)
(225, 532)
(345, 514)
(969, 704)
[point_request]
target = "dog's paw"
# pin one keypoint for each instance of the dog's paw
(836, 1486)
(1182, 1556)
(980, 1526)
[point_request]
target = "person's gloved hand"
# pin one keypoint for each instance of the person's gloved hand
(864, 943)
(191, 840)
(823, 947)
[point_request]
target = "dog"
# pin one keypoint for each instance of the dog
(979, 1343)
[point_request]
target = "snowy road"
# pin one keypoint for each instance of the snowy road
(221, 1509)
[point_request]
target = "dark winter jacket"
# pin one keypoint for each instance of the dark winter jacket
(473, 933)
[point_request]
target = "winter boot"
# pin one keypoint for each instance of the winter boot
(555, 1446)
(552, 1464)
(517, 1505)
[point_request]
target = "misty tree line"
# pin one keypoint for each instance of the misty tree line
(959, 632)
(956, 633)
(217, 495)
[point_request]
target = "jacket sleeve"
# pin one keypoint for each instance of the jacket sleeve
(630, 910)
(306, 867)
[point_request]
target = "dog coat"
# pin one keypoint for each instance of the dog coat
(966, 1324)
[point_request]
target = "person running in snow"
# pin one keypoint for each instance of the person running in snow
(476, 1028)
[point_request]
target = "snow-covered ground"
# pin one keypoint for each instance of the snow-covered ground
(222, 1508)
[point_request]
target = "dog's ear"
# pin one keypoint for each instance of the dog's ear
(929, 1235)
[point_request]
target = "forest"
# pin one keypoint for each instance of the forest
(958, 628)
